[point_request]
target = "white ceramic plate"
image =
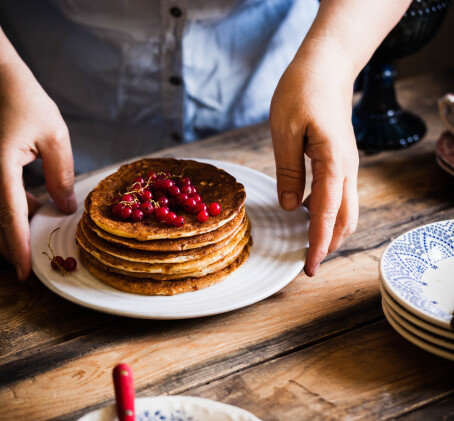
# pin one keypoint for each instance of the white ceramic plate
(277, 256)
(421, 343)
(176, 408)
(417, 269)
(420, 333)
(392, 304)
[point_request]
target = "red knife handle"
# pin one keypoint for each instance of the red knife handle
(124, 392)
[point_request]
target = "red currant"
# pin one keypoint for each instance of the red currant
(186, 189)
(174, 191)
(147, 208)
(203, 216)
(196, 197)
(194, 190)
(183, 181)
(170, 218)
(139, 180)
(189, 204)
(116, 209)
(200, 207)
(180, 199)
(135, 205)
(166, 184)
(126, 212)
(179, 222)
(161, 213)
(214, 209)
(152, 176)
(163, 201)
(146, 196)
(127, 198)
(137, 215)
(70, 264)
(116, 199)
(57, 263)
(162, 176)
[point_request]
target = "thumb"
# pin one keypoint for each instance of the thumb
(290, 169)
(58, 166)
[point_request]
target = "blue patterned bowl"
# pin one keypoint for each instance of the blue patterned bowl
(417, 269)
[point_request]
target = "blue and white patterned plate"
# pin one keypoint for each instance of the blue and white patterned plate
(176, 408)
(417, 269)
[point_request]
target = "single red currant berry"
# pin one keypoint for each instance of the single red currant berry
(180, 199)
(194, 190)
(146, 196)
(152, 176)
(203, 216)
(127, 198)
(137, 215)
(174, 191)
(183, 181)
(162, 176)
(170, 218)
(200, 207)
(139, 180)
(70, 264)
(196, 197)
(214, 209)
(116, 209)
(179, 222)
(135, 205)
(189, 204)
(161, 213)
(163, 201)
(126, 212)
(57, 263)
(168, 174)
(186, 189)
(166, 184)
(147, 208)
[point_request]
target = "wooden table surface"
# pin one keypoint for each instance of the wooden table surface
(318, 349)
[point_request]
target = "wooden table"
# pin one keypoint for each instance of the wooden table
(318, 349)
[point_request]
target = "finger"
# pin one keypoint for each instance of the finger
(307, 201)
(58, 167)
(325, 201)
(347, 217)
(14, 218)
(33, 204)
(288, 147)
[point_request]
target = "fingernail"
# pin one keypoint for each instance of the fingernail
(289, 200)
(19, 272)
(71, 203)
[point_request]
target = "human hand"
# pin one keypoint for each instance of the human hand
(30, 127)
(311, 114)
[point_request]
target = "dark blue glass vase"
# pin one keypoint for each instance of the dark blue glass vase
(378, 120)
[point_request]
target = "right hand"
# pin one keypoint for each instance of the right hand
(31, 126)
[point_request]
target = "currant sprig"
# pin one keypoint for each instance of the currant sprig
(64, 266)
(159, 195)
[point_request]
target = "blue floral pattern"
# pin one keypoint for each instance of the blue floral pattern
(408, 257)
(159, 415)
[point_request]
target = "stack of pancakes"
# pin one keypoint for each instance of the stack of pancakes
(151, 258)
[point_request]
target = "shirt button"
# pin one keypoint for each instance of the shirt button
(175, 80)
(176, 12)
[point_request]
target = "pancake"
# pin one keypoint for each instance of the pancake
(156, 256)
(199, 267)
(149, 286)
(213, 184)
(177, 244)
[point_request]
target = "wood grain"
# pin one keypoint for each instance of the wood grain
(50, 348)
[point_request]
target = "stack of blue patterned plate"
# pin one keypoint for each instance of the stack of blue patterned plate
(417, 285)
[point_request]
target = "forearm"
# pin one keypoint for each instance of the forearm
(345, 34)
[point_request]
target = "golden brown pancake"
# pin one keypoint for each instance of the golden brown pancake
(177, 244)
(213, 184)
(149, 286)
(194, 268)
(155, 256)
